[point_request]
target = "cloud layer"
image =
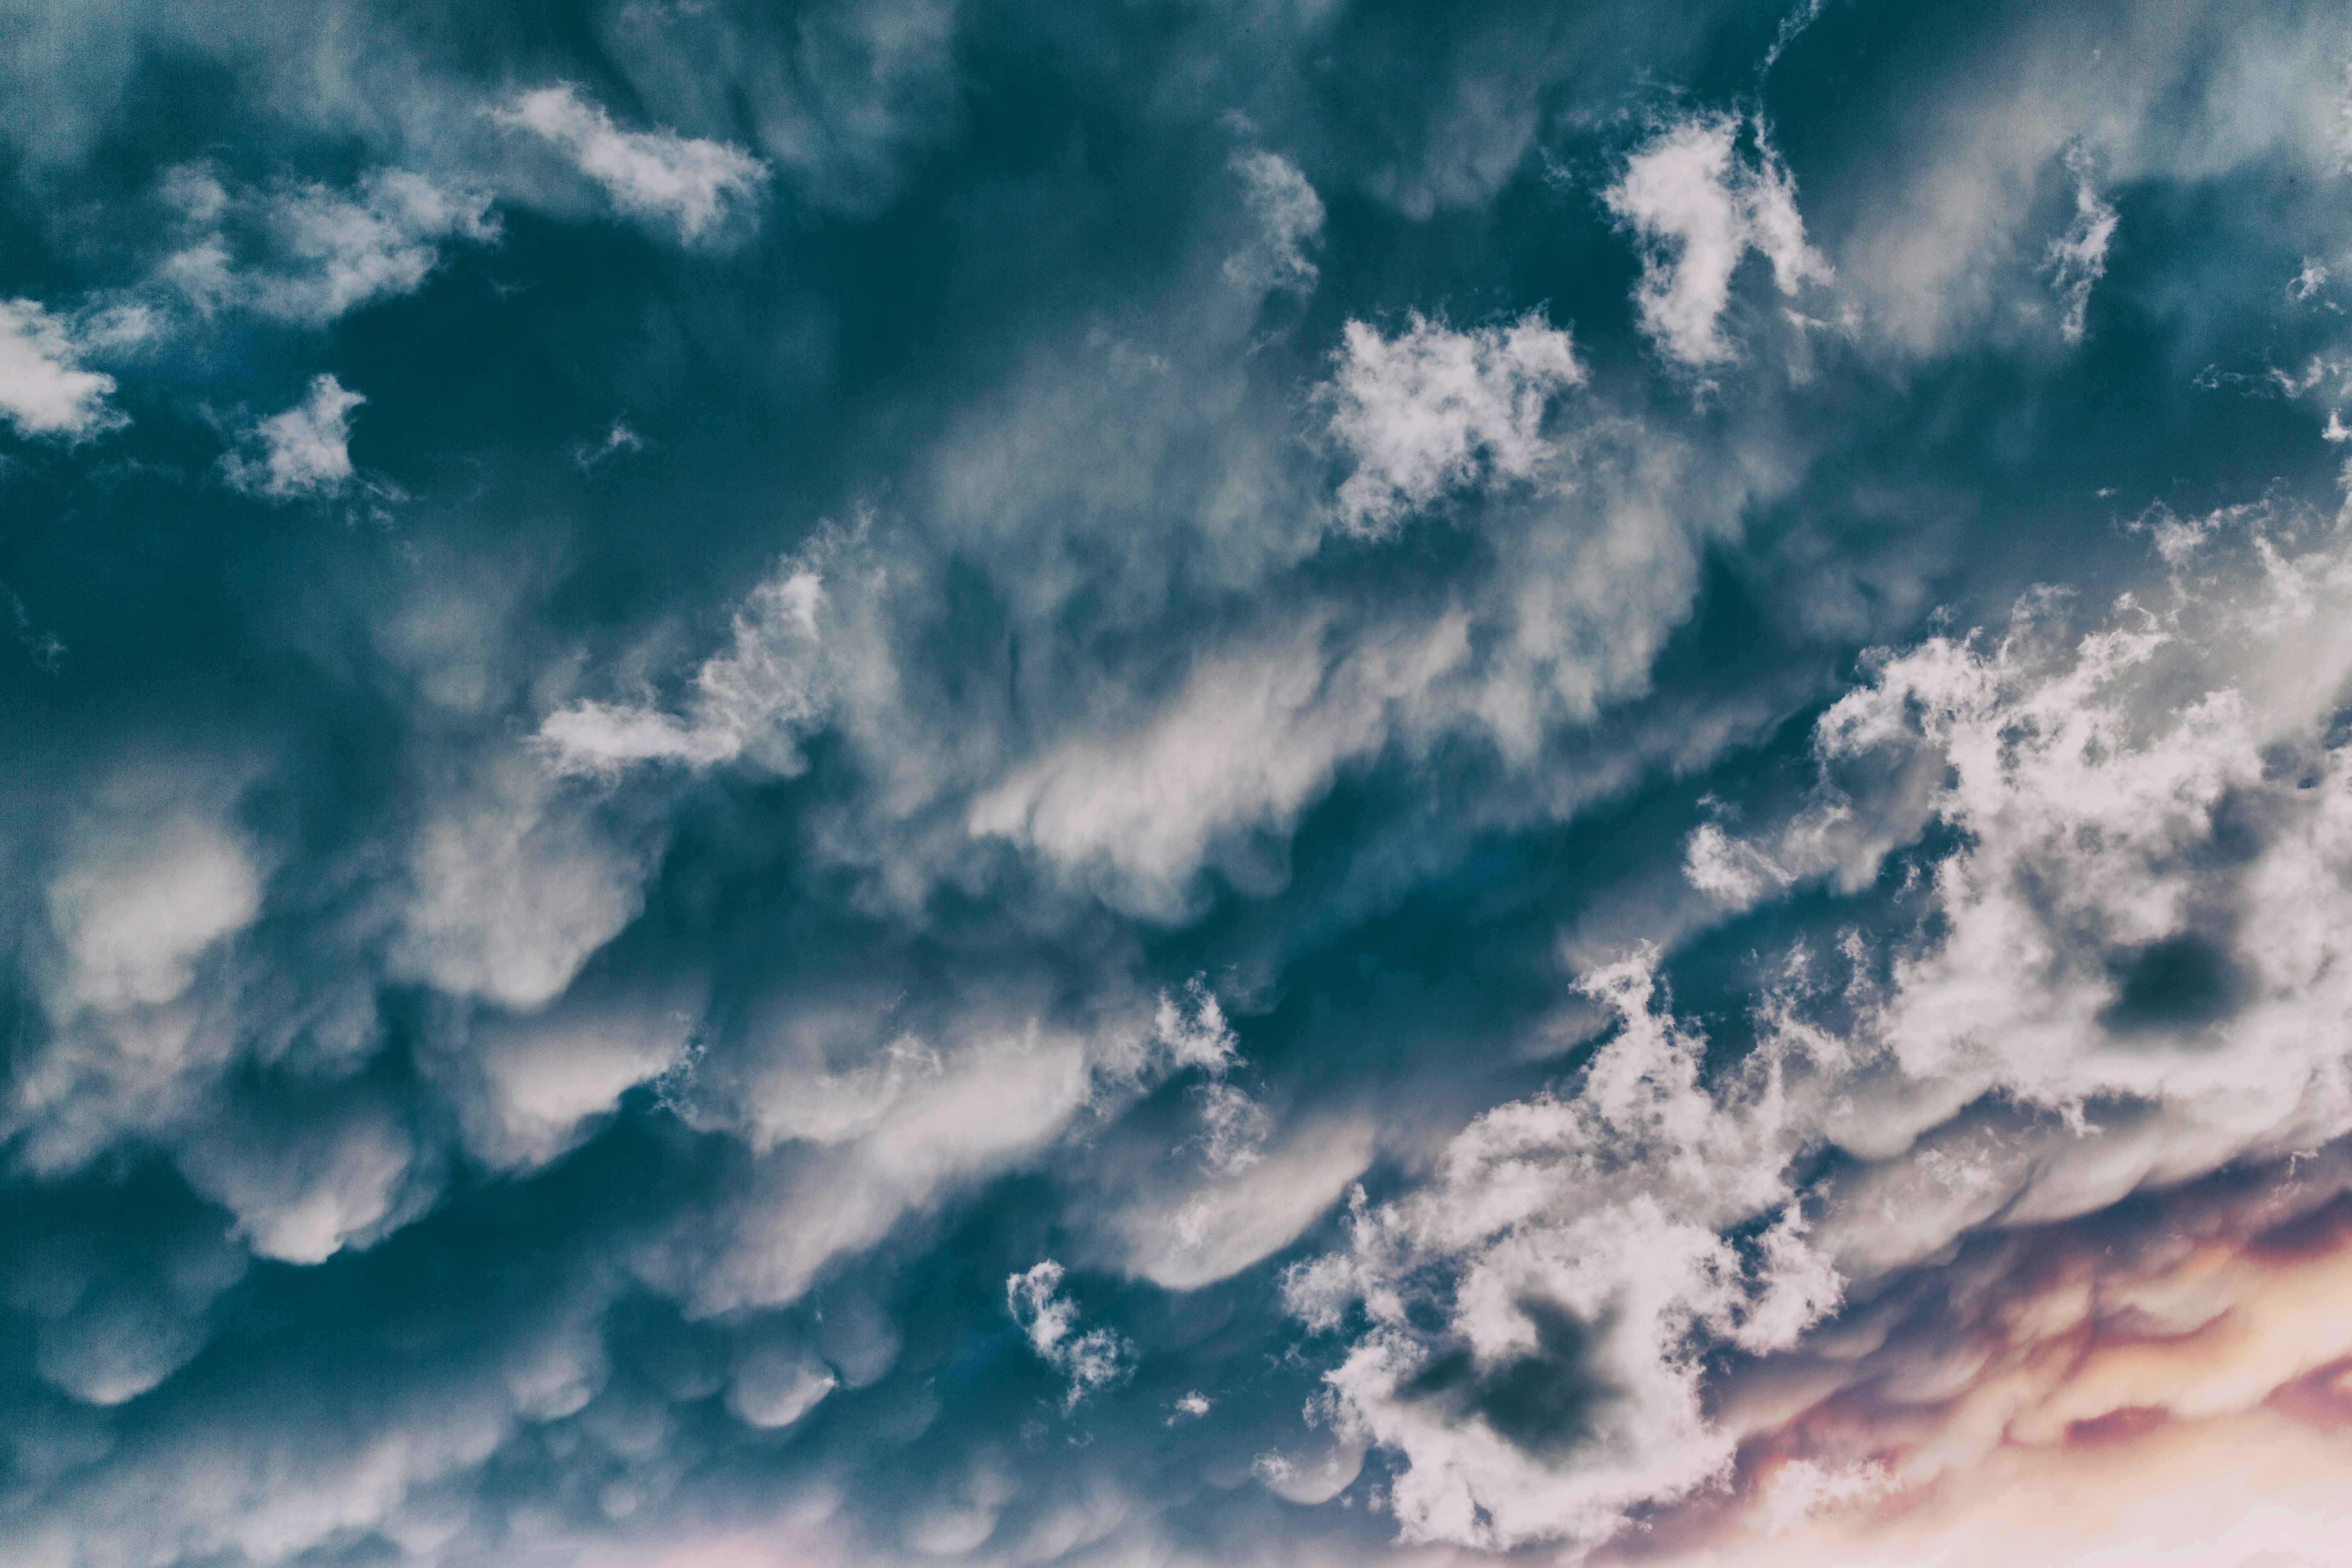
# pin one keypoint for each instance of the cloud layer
(1051, 784)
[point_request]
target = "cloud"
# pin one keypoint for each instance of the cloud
(513, 881)
(1532, 1315)
(760, 697)
(2092, 1005)
(1432, 410)
(2077, 260)
(343, 1175)
(304, 453)
(619, 438)
(599, 997)
(1187, 1233)
(773, 1387)
(703, 189)
(1290, 216)
(44, 391)
(2086, 1371)
(307, 253)
(1092, 1360)
(136, 907)
(1251, 739)
(1699, 204)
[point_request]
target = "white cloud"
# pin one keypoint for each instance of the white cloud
(1730, 869)
(137, 906)
(341, 1177)
(1792, 28)
(511, 882)
(1092, 1360)
(543, 1077)
(304, 453)
(847, 1154)
(770, 688)
(2078, 259)
(1535, 1311)
(2099, 998)
(44, 391)
(1699, 205)
(1253, 737)
(310, 254)
(1290, 222)
(774, 1386)
(701, 189)
(1184, 1234)
(1432, 410)
(1194, 1031)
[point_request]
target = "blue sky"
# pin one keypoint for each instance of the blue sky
(870, 783)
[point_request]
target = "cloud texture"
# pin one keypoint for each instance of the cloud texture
(1091, 785)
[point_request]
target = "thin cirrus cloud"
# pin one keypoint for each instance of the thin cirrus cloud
(701, 191)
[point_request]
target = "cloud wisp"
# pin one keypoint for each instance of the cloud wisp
(1700, 202)
(700, 190)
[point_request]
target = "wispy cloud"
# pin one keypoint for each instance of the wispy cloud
(702, 190)
(309, 253)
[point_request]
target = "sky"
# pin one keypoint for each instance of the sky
(1320, 783)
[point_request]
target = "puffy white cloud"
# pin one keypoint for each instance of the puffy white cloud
(302, 453)
(1193, 1030)
(44, 391)
(699, 188)
(1290, 216)
(1091, 1360)
(846, 1154)
(1434, 410)
(544, 1076)
(337, 1176)
(310, 254)
(1535, 1315)
(2078, 259)
(1700, 205)
(2127, 972)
